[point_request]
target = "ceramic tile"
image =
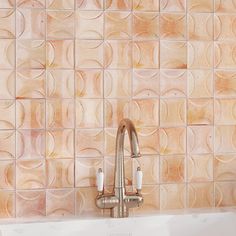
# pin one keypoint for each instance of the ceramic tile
(30, 174)
(200, 26)
(173, 5)
(30, 203)
(7, 23)
(7, 203)
(7, 111)
(172, 169)
(60, 173)
(30, 3)
(145, 25)
(172, 26)
(89, 83)
(89, 113)
(226, 6)
(201, 5)
(7, 4)
(146, 5)
(60, 144)
(89, 4)
(7, 144)
(200, 168)
(118, 4)
(60, 54)
(7, 84)
(7, 51)
(89, 24)
(30, 84)
(30, 114)
(7, 174)
(118, 25)
(173, 55)
(146, 54)
(60, 4)
(30, 24)
(60, 203)
(145, 83)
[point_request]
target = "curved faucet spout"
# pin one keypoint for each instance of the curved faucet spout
(125, 125)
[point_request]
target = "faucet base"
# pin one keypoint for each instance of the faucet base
(119, 212)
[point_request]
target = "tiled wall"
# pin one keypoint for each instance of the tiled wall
(69, 71)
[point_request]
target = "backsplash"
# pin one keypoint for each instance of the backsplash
(71, 70)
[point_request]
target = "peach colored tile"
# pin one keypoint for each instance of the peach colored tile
(172, 169)
(7, 111)
(225, 111)
(115, 111)
(60, 24)
(146, 54)
(200, 55)
(7, 23)
(30, 203)
(60, 173)
(8, 54)
(200, 111)
(109, 168)
(60, 54)
(89, 113)
(30, 3)
(172, 112)
(89, 143)
(200, 195)
(201, 5)
(7, 4)
(145, 25)
(200, 26)
(172, 196)
(173, 83)
(150, 166)
(172, 141)
(89, 4)
(118, 4)
(224, 27)
(7, 84)
(226, 6)
(225, 136)
(89, 83)
(173, 26)
(225, 167)
(60, 113)
(173, 55)
(117, 54)
(173, 5)
(200, 168)
(30, 83)
(85, 204)
(117, 83)
(60, 4)
(7, 203)
(60, 203)
(7, 174)
(60, 83)
(145, 83)
(225, 195)
(89, 24)
(148, 140)
(225, 83)
(118, 25)
(60, 144)
(145, 5)
(86, 170)
(7, 144)
(145, 112)
(30, 174)
(30, 23)
(30, 144)
(224, 55)
(89, 53)
(200, 139)
(151, 194)
(31, 54)
(30, 114)
(200, 83)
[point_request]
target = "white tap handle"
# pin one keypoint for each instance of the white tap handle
(100, 180)
(139, 178)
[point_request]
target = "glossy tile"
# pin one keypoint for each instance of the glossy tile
(145, 5)
(7, 84)
(7, 204)
(60, 4)
(118, 4)
(7, 174)
(201, 5)
(7, 144)
(7, 109)
(30, 3)
(7, 4)
(226, 6)
(89, 4)
(7, 23)
(7, 50)
(173, 5)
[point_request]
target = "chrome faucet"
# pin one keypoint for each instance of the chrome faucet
(120, 200)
